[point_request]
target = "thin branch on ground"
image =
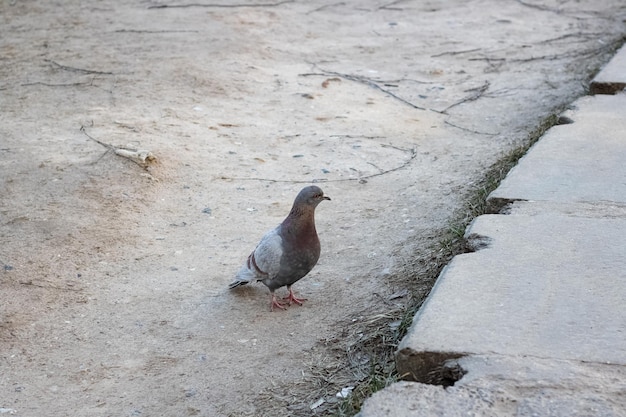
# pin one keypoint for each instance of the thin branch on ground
(387, 83)
(83, 84)
(376, 167)
(140, 157)
(580, 36)
(563, 12)
(470, 130)
(362, 80)
(467, 51)
(74, 69)
(357, 136)
(538, 7)
(477, 93)
(361, 179)
(218, 5)
(487, 59)
(53, 287)
(106, 145)
(154, 31)
(390, 6)
(569, 54)
(326, 6)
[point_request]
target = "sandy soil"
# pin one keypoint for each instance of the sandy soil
(113, 283)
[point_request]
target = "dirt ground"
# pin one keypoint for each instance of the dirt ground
(114, 272)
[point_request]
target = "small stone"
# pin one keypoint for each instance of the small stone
(564, 120)
(317, 404)
(345, 392)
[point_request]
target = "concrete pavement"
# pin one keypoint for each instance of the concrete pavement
(533, 321)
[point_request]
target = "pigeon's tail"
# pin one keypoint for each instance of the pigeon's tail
(243, 277)
(236, 284)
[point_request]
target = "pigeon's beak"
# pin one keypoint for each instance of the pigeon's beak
(326, 198)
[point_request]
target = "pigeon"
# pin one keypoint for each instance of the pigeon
(287, 253)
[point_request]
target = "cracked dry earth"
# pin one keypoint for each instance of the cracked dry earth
(113, 298)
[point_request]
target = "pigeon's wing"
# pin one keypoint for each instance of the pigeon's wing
(264, 262)
(267, 254)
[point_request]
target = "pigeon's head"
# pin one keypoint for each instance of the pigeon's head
(311, 196)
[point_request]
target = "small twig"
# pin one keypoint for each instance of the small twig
(487, 58)
(378, 317)
(360, 179)
(470, 130)
(109, 148)
(580, 36)
(476, 94)
(154, 31)
(139, 157)
(467, 51)
(408, 80)
(376, 166)
(106, 145)
(221, 5)
(74, 69)
(83, 84)
(559, 11)
(362, 80)
(326, 6)
(569, 54)
(537, 6)
(555, 10)
(356, 136)
(52, 287)
(388, 6)
(386, 145)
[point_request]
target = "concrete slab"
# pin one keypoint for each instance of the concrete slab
(612, 78)
(547, 286)
(510, 386)
(532, 322)
(578, 162)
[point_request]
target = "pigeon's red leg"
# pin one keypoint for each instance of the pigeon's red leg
(275, 303)
(293, 298)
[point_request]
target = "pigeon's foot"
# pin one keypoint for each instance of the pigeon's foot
(275, 303)
(292, 298)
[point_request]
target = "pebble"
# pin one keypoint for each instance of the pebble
(317, 404)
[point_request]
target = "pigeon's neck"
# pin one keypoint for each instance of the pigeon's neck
(301, 220)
